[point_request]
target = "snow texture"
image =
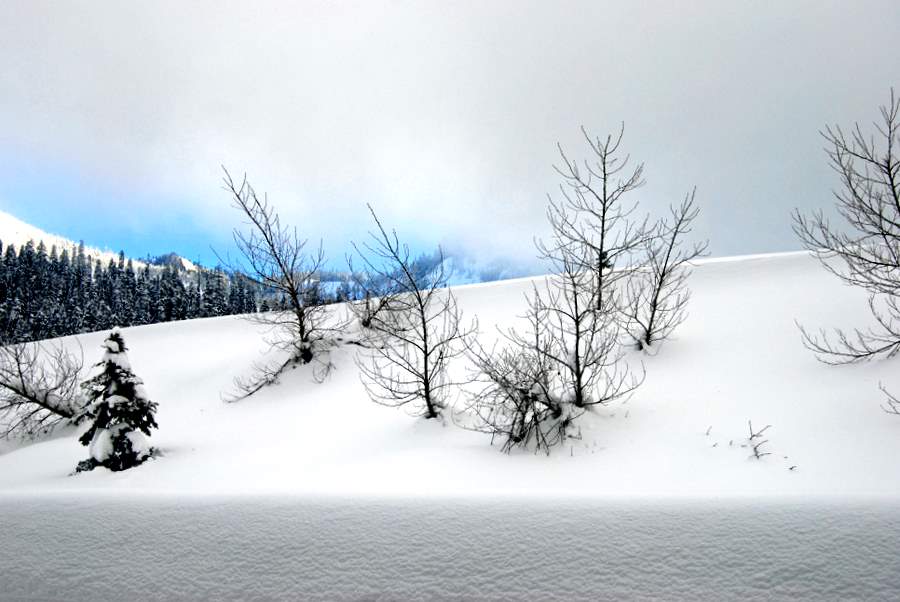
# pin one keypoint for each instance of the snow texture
(378, 549)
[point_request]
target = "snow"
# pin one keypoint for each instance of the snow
(377, 549)
(311, 491)
(101, 446)
(140, 443)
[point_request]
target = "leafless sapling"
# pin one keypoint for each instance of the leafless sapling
(39, 388)
(593, 216)
(657, 293)
(277, 257)
(583, 341)
(864, 250)
(591, 251)
(416, 335)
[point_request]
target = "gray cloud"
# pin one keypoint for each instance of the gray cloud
(444, 115)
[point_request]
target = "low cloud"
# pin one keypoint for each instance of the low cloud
(444, 116)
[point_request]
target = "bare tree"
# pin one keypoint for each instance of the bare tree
(592, 233)
(657, 293)
(280, 260)
(377, 291)
(584, 342)
(39, 388)
(416, 335)
(517, 397)
(592, 217)
(865, 250)
(533, 388)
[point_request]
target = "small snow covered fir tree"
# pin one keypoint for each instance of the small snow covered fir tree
(121, 414)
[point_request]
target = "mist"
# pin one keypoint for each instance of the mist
(117, 117)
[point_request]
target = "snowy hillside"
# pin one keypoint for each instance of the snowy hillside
(737, 358)
(682, 436)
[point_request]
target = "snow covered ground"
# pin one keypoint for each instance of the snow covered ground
(336, 549)
(310, 490)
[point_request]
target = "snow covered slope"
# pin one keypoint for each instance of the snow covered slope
(737, 358)
(675, 450)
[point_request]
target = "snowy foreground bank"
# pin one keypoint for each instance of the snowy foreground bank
(311, 491)
(90, 548)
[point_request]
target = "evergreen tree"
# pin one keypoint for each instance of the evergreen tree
(111, 293)
(194, 300)
(142, 302)
(48, 294)
(250, 289)
(215, 302)
(173, 302)
(121, 413)
(235, 302)
(127, 293)
(102, 312)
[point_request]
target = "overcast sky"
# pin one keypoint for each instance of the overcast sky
(115, 116)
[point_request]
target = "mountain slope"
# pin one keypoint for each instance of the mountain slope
(14, 231)
(738, 358)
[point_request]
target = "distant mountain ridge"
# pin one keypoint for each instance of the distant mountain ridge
(462, 267)
(14, 231)
(176, 261)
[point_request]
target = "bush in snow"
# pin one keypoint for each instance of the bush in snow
(518, 401)
(121, 414)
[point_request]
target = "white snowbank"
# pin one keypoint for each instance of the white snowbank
(286, 548)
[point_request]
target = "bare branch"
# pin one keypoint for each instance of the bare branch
(756, 434)
(657, 294)
(416, 333)
(892, 404)
(592, 227)
(518, 399)
(279, 259)
(39, 388)
(757, 450)
(866, 252)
